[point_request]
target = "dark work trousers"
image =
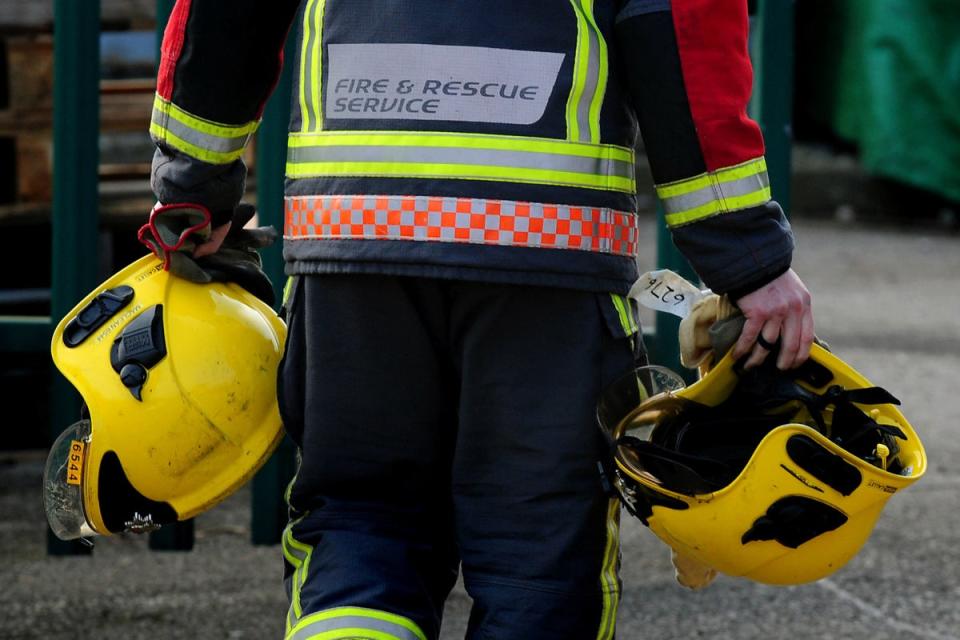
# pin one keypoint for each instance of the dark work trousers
(444, 424)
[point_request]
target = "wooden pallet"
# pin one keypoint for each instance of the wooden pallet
(27, 118)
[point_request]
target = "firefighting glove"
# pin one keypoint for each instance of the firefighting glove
(174, 231)
(691, 573)
(704, 331)
(712, 328)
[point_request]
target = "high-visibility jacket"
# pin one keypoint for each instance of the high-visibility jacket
(482, 140)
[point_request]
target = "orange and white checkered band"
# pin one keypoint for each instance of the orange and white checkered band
(469, 220)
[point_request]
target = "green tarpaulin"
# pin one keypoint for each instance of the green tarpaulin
(885, 75)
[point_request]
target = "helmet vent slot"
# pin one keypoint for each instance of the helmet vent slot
(93, 316)
(827, 467)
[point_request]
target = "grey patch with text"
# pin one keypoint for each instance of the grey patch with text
(439, 82)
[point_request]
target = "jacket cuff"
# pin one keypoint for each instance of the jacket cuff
(177, 177)
(738, 252)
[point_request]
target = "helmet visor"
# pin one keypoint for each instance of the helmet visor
(63, 483)
(623, 397)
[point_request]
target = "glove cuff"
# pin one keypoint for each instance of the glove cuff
(171, 226)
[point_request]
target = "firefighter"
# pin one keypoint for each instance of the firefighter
(460, 233)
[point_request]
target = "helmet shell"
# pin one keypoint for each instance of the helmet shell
(204, 416)
(836, 516)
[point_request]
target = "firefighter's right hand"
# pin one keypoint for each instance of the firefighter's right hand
(182, 237)
(214, 242)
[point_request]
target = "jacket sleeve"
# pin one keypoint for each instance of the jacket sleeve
(688, 73)
(219, 63)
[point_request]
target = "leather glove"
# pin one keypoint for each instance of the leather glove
(697, 341)
(690, 573)
(175, 230)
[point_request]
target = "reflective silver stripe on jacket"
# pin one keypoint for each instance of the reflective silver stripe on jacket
(480, 157)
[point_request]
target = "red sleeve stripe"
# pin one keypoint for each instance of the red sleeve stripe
(171, 48)
(712, 42)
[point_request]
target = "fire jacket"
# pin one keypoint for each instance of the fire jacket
(479, 140)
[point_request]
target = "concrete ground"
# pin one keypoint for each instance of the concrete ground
(887, 300)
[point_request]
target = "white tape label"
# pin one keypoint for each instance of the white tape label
(664, 290)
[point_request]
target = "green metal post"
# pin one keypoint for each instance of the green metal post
(24, 334)
(178, 536)
(164, 8)
(270, 164)
(76, 127)
(664, 347)
(269, 510)
(773, 90)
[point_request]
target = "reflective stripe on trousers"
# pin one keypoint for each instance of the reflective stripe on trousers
(609, 576)
(298, 555)
(466, 220)
(339, 622)
(344, 623)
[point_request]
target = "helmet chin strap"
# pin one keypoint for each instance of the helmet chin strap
(768, 388)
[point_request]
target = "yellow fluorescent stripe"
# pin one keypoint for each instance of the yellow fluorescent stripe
(619, 307)
(472, 141)
(290, 542)
(212, 157)
(611, 591)
(315, 67)
(300, 573)
(628, 313)
(292, 559)
(296, 583)
(728, 174)
(304, 119)
(461, 172)
(289, 489)
(719, 206)
(601, 89)
(294, 579)
(605, 580)
(580, 61)
(348, 633)
(204, 126)
(360, 612)
(296, 544)
(622, 306)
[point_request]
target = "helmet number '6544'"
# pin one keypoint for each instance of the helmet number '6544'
(75, 462)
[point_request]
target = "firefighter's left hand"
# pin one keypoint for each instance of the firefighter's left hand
(780, 311)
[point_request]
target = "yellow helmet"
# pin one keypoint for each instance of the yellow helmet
(774, 476)
(179, 385)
